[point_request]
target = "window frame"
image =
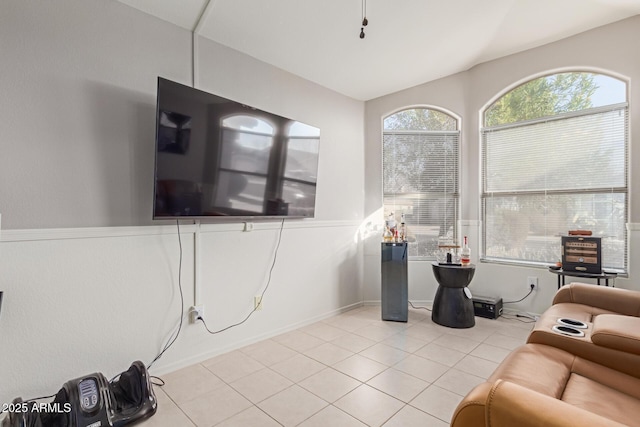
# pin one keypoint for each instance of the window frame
(456, 195)
(486, 195)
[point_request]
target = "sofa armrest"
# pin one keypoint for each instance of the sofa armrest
(617, 332)
(617, 300)
(471, 411)
(509, 404)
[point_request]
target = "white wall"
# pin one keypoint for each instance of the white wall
(606, 49)
(90, 282)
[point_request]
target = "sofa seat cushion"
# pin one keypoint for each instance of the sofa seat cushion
(592, 396)
(510, 405)
(574, 380)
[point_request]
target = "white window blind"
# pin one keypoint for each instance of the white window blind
(544, 177)
(420, 179)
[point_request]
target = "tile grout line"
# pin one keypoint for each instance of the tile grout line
(362, 317)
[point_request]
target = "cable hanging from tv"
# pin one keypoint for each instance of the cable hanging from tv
(264, 291)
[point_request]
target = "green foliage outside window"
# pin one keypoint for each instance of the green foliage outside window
(543, 97)
(421, 119)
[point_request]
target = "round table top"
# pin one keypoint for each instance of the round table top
(453, 276)
(445, 265)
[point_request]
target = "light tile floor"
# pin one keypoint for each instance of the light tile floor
(348, 370)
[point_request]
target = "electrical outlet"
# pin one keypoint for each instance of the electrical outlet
(257, 303)
(532, 282)
(196, 312)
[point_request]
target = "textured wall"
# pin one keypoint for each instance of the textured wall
(96, 299)
(90, 283)
(77, 113)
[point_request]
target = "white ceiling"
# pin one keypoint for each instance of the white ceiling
(408, 42)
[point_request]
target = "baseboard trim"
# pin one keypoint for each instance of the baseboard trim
(413, 301)
(201, 357)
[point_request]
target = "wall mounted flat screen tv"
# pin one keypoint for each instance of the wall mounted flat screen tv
(217, 158)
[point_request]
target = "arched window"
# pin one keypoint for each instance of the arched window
(420, 163)
(554, 159)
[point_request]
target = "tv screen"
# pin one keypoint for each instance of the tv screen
(217, 158)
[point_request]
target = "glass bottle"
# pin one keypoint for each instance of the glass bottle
(403, 229)
(391, 223)
(465, 253)
(387, 236)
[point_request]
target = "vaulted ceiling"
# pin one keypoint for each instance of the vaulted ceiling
(406, 43)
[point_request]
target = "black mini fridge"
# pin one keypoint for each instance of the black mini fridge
(394, 297)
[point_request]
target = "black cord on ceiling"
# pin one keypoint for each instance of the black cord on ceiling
(365, 21)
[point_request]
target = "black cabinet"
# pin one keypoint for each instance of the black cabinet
(581, 254)
(394, 297)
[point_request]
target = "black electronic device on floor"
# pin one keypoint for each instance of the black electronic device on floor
(489, 307)
(90, 401)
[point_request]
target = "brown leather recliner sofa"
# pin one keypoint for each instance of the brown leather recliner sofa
(559, 380)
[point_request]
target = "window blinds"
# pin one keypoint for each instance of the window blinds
(420, 178)
(544, 177)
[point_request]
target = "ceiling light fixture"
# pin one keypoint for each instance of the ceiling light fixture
(365, 21)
